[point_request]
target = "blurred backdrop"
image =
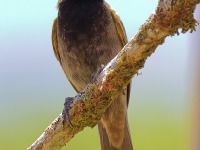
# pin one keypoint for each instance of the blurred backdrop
(33, 86)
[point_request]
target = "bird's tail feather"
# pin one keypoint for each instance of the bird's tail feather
(105, 144)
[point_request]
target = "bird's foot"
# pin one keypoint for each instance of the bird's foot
(95, 75)
(67, 106)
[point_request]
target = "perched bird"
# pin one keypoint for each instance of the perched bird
(86, 34)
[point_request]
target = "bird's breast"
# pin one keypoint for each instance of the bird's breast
(82, 53)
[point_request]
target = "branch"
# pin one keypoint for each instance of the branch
(88, 106)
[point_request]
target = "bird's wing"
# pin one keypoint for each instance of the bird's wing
(127, 144)
(118, 24)
(55, 39)
(122, 34)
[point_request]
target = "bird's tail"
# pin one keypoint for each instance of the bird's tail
(106, 145)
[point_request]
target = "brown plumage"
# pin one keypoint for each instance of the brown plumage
(86, 34)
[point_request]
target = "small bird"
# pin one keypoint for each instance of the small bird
(85, 35)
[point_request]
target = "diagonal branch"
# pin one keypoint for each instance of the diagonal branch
(87, 107)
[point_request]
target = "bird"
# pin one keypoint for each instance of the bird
(85, 35)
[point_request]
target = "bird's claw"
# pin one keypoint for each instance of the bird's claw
(95, 75)
(67, 106)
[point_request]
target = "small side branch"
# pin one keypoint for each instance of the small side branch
(88, 106)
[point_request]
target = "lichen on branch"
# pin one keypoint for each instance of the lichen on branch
(174, 14)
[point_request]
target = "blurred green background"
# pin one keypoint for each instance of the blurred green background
(33, 86)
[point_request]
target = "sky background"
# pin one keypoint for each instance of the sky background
(33, 86)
